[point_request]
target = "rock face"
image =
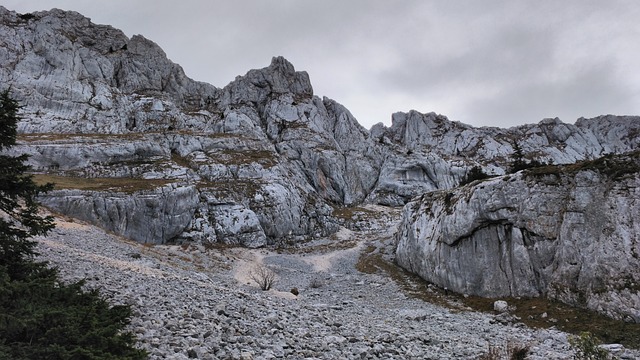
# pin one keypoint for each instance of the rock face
(263, 155)
(566, 232)
(155, 216)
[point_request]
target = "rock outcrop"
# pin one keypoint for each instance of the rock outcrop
(155, 216)
(566, 232)
(426, 152)
(265, 156)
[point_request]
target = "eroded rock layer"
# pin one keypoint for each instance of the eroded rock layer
(566, 232)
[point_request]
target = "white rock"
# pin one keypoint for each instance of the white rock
(500, 306)
(568, 234)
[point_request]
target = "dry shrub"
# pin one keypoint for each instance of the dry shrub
(517, 351)
(263, 276)
(586, 347)
(512, 351)
(494, 353)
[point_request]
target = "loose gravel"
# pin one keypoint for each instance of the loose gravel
(190, 302)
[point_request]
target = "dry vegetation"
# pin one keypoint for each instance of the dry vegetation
(48, 137)
(348, 213)
(243, 157)
(128, 185)
(263, 276)
(511, 351)
(614, 166)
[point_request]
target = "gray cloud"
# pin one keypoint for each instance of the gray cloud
(586, 93)
(483, 62)
(514, 55)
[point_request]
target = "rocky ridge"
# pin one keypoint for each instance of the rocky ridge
(428, 152)
(263, 149)
(263, 153)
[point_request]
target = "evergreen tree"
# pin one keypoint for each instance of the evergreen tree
(519, 162)
(518, 159)
(474, 174)
(41, 317)
(19, 219)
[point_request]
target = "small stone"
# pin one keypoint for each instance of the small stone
(197, 315)
(501, 306)
(613, 348)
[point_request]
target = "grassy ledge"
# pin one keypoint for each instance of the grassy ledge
(126, 185)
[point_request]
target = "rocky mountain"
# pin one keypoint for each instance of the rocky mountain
(566, 232)
(428, 152)
(142, 150)
(258, 161)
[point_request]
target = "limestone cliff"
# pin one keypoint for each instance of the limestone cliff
(264, 156)
(426, 152)
(566, 232)
(154, 216)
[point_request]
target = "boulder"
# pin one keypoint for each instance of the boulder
(565, 232)
(500, 306)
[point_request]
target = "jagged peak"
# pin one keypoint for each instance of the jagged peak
(280, 77)
(281, 64)
(65, 16)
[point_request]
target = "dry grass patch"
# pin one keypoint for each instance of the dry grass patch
(180, 160)
(243, 157)
(48, 137)
(127, 185)
(231, 187)
(348, 213)
(566, 318)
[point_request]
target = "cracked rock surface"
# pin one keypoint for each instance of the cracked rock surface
(565, 232)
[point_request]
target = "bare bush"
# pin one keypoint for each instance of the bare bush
(511, 351)
(263, 276)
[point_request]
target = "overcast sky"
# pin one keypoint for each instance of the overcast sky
(484, 62)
